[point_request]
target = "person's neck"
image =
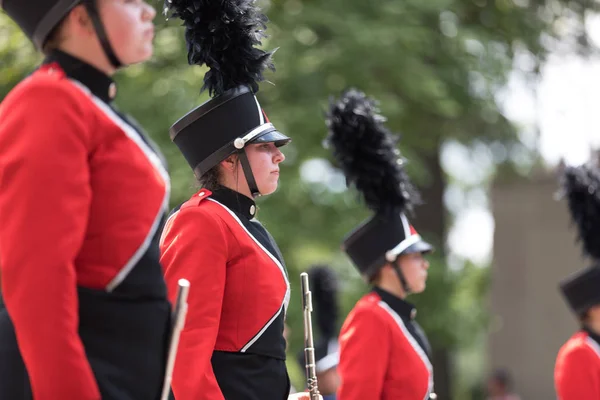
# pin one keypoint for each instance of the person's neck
(392, 288)
(98, 61)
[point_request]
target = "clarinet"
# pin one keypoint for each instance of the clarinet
(179, 312)
(309, 349)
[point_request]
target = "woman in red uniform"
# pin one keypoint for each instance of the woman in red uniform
(232, 346)
(83, 194)
(577, 368)
(384, 354)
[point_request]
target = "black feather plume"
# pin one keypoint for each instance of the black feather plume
(324, 288)
(222, 34)
(581, 185)
(366, 152)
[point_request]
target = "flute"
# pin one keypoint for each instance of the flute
(179, 312)
(309, 349)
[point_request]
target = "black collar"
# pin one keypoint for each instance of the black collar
(235, 201)
(402, 307)
(100, 84)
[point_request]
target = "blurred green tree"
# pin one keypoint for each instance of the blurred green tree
(436, 67)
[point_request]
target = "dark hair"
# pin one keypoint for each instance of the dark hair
(584, 317)
(210, 180)
(55, 37)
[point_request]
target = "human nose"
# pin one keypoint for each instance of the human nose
(148, 12)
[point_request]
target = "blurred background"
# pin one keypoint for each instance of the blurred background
(490, 97)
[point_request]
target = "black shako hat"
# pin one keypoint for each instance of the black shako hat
(38, 18)
(366, 152)
(581, 186)
(222, 34)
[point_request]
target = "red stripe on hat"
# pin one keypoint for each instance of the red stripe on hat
(265, 114)
(413, 231)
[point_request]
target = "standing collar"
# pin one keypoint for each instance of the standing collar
(402, 307)
(235, 201)
(100, 84)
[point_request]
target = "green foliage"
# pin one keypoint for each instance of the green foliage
(435, 66)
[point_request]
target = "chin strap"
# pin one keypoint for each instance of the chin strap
(90, 6)
(248, 174)
(403, 282)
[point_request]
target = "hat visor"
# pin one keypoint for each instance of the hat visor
(420, 247)
(271, 136)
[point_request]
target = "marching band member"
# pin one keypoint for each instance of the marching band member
(577, 367)
(384, 354)
(232, 346)
(83, 193)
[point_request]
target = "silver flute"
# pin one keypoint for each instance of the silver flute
(179, 313)
(309, 348)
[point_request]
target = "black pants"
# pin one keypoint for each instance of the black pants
(14, 381)
(125, 342)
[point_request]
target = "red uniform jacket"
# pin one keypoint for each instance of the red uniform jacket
(383, 352)
(577, 368)
(82, 197)
(232, 346)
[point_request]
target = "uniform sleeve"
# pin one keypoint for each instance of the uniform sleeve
(364, 352)
(577, 374)
(44, 201)
(193, 247)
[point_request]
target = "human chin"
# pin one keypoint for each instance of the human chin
(418, 285)
(268, 187)
(144, 53)
(416, 289)
(138, 52)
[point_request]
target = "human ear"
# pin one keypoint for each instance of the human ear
(81, 21)
(229, 163)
